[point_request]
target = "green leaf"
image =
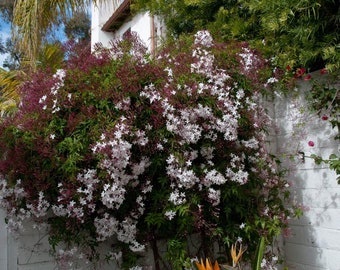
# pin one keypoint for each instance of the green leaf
(155, 219)
(333, 156)
(259, 254)
(182, 209)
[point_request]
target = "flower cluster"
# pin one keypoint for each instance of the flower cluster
(130, 149)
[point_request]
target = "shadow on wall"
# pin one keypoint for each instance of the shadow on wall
(314, 243)
(314, 240)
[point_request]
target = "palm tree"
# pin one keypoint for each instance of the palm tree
(9, 86)
(34, 18)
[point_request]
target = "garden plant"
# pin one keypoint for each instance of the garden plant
(119, 147)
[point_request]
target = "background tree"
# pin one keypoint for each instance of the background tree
(9, 82)
(12, 61)
(6, 10)
(74, 24)
(32, 21)
(6, 45)
(2, 47)
(226, 19)
(297, 33)
(78, 26)
(302, 33)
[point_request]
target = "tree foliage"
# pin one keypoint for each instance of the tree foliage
(6, 10)
(7, 46)
(13, 58)
(78, 26)
(296, 33)
(33, 20)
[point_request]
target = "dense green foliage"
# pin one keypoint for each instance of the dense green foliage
(297, 33)
(78, 26)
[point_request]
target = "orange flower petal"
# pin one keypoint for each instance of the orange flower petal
(216, 266)
(208, 265)
(200, 266)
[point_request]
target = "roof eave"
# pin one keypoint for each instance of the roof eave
(118, 17)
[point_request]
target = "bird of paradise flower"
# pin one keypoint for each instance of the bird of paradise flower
(208, 265)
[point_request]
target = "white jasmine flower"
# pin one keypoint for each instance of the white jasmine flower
(170, 214)
(42, 99)
(203, 38)
(177, 198)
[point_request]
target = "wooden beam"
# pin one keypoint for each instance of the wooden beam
(118, 17)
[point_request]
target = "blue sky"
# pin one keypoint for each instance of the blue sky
(5, 33)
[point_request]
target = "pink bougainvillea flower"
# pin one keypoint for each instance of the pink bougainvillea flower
(324, 117)
(307, 77)
(299, 72)
(323, 71)
(311, 143)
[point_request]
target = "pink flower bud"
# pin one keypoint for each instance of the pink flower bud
(323, 71)
(307, 77)
(299, 72)
(311, 143)
(324, 117)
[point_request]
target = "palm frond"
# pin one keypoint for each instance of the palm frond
(33, 18)
(10, 82)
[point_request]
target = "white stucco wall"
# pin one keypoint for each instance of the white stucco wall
(141, 23)
(315, 237)
(100, 14)
(3, 241)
